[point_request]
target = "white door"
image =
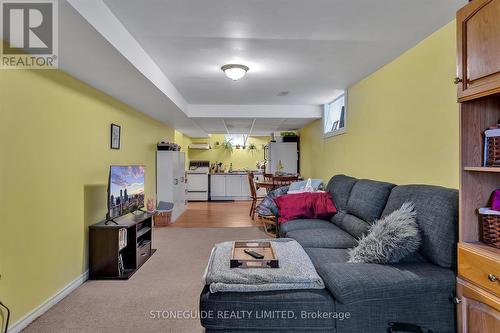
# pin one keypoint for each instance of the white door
(182, 174)
(233, 186)
(217, 186)
(164, 176)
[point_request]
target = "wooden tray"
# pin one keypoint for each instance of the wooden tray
(239, 259)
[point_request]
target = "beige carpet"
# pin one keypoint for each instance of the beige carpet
(170, 280)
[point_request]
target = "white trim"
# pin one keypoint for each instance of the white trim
(98, 14)
(42, 308)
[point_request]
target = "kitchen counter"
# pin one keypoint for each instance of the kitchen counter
(236, 173)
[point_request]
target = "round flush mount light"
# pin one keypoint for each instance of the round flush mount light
(235, 71)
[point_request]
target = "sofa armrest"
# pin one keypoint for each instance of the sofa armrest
(350, 283)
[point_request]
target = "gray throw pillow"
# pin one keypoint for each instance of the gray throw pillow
(390, 239)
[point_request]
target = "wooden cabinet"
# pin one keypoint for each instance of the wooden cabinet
(478, 285)
(478, 41)
(477, 311)
(108, 259)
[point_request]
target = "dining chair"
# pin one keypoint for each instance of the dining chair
(268, 177)
(253, 194)
(279, 181)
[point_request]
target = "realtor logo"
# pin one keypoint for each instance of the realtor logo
(29, 34)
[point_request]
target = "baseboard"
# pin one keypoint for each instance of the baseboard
(42, 308)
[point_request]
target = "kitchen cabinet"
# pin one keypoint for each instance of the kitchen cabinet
(233, 186)
(217, 186)
(170, 180)
(478, 42)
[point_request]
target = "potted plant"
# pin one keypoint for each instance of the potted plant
(252, 147)
(227, 145)
(289, 136)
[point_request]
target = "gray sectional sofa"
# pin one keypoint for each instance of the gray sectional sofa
(358, 297)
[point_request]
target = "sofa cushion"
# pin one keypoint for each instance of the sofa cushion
(334, 238)
(301, 224)
(321, 256)
(340, 187)
(350, 223)
(437, 218)
(257, 304)
(390, 239)
(368, 199)
(351, 283)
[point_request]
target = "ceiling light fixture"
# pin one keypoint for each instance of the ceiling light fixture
(235, 71)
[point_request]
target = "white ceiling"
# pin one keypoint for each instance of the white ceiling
(310, 48)
(163, 57)
(255, 126)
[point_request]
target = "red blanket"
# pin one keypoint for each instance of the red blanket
(309, 205)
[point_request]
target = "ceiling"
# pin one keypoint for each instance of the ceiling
(163, 57)
(309, 48)
(255, 126)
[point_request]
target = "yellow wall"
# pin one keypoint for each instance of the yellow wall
(402, 122)
(55, 155)
(241, 158)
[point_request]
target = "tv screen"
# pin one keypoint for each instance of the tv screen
(125, 189)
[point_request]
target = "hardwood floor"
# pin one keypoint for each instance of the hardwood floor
(217, 215)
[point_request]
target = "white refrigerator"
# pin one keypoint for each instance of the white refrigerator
(286, 152)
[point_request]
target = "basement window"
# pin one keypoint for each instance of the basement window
(236, 139)
(335, 115)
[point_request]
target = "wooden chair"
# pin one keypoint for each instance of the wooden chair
(270, 225)
(253, 194)
(279, 181)
(268, 177)
(268, 222)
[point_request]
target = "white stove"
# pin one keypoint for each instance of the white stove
(197, 180)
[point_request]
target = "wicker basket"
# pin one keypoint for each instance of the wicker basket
(163, 219)
(491, 230)
(493, 151)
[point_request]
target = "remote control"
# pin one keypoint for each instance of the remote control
(254, 254)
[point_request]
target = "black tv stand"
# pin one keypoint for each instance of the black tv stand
(104, 256)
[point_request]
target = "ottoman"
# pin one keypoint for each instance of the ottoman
(308, 310)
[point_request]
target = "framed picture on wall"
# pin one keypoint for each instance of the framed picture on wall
(115, 136)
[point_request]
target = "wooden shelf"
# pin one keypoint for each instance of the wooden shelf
(482, 169)
(143, 231)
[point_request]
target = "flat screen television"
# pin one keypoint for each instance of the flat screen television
(125, 190)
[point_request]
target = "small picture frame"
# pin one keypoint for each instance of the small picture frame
(115, 136)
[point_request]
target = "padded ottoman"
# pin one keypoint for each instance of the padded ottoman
(268, 311)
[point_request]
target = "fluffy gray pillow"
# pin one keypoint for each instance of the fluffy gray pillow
(390, 239)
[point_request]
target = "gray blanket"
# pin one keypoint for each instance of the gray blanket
(296, 270)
